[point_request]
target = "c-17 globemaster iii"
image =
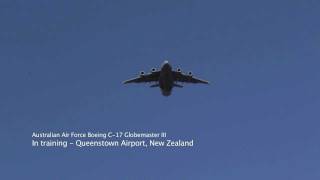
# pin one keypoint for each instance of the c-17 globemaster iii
(166, 78)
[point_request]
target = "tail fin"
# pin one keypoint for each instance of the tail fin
(154, 85)
(177, 85)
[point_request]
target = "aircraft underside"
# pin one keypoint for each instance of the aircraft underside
(166, 78)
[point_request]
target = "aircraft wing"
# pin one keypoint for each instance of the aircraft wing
(179, 76)
(151, 77)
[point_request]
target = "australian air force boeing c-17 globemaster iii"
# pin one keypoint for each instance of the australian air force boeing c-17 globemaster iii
(166, 78)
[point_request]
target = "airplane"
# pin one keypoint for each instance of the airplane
(166, 78)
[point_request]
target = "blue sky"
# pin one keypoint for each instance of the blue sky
(62, 64)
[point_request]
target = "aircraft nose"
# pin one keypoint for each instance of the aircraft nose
(166, 65)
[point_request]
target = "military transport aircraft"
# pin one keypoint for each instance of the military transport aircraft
(166, 78)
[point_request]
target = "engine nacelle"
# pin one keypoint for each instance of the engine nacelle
(190, 73)
(153, 70)
(179, 70)
(141, 73)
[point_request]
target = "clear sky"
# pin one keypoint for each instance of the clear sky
(62, 64)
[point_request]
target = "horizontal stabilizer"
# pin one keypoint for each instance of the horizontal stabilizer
(178, 85)
(154, 85)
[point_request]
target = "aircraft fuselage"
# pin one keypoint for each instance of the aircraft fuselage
(166, 79)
